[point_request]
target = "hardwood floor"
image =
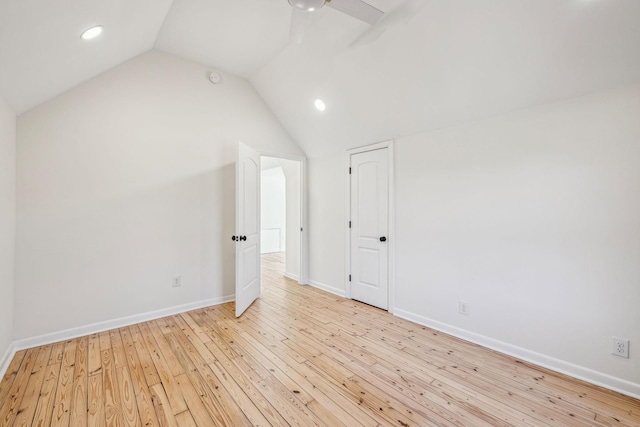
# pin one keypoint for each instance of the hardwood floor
(299, 356)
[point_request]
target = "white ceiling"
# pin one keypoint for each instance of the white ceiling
(235, 35)
(42, 55)
(453, 61)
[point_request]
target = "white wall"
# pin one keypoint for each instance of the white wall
(326, 222)
(531, 217)
(7, 224)
(273, 211)
(125, 181)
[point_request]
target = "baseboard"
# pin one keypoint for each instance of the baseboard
(292, 276)
(330, 289)
(80, 331)
(580, 372)
(6, 359)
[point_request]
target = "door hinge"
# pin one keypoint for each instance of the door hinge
(349, 171)
(349, 277)
(349, 224)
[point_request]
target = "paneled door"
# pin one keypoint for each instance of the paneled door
(369, 176)
(247, 235)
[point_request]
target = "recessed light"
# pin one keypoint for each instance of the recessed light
(91, 33)
(320, 105)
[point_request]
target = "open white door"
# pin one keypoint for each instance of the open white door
(247, 236)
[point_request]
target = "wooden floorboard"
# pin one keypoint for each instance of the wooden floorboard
(298, 357)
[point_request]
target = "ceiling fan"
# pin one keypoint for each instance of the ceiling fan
(380, 21)
(355, 8)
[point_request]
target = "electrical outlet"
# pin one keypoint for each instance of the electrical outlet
(176, 281)
(620, 347)
(463, 307)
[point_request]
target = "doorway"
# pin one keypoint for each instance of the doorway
(281, 201)
(290, 230)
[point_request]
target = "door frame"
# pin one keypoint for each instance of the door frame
(304, 212)
(391, 238)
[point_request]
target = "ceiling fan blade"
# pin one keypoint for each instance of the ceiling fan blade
(299, 21)
(358, 9)
(400, 15)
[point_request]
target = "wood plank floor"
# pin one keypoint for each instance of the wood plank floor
(298, 357)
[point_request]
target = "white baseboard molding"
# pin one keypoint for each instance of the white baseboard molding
(580, 372)
(330, 289)
(292, 276)
(80, 331)
(6, 359)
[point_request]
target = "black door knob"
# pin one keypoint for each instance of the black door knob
(233, 238)
(383, 239)
(243, 238)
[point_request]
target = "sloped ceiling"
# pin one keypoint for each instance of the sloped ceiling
(450, 62)
(42, 55)
(453, 62)
(238, 36)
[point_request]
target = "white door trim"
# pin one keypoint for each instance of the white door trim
(304, 211)
(392, 224)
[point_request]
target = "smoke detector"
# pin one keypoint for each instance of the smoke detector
(215, 78)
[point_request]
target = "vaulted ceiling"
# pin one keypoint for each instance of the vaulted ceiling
(446, 62)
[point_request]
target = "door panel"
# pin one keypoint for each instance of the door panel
(370, 222)
(368, 201)
(368, 263)
(247, 228)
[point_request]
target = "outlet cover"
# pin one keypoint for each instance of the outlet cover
(176, 281)
(620, 347)
(463, 307)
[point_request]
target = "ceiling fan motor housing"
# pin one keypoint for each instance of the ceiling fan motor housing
(307, 5)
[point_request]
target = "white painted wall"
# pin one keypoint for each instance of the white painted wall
(533, 218)
(273, 211)
(125, 181)
(326, 222)
(7, 224)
